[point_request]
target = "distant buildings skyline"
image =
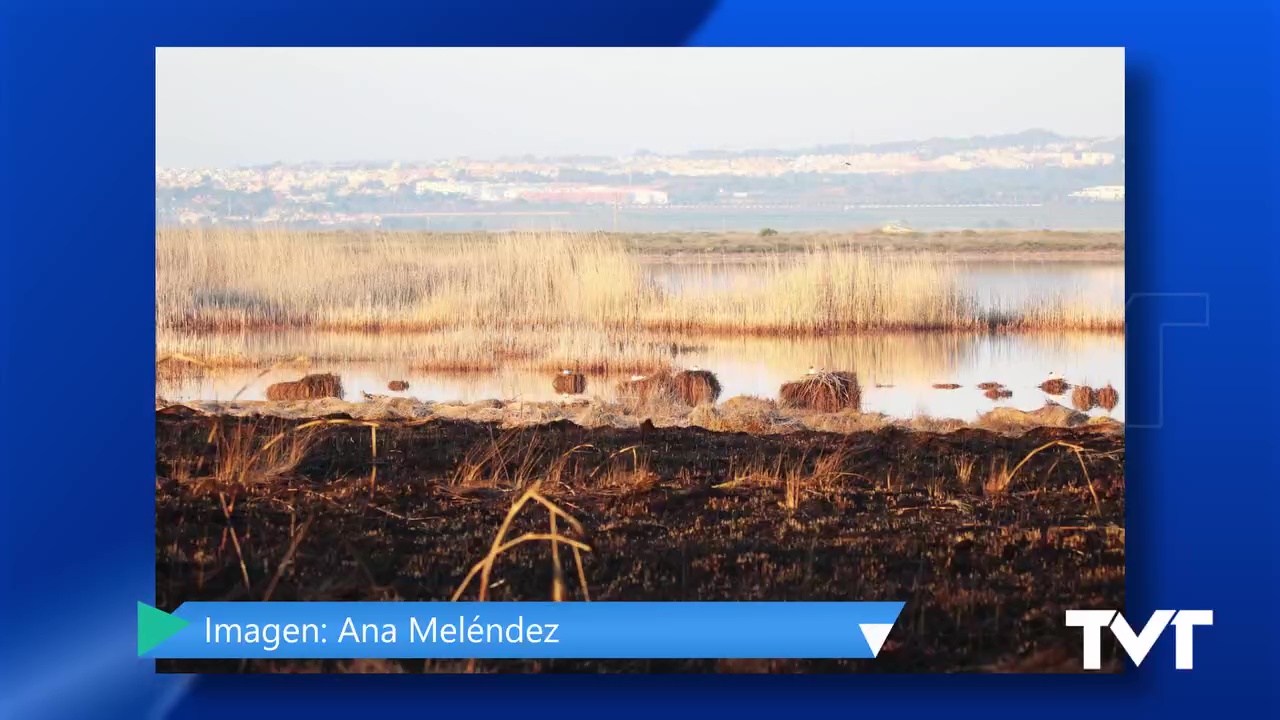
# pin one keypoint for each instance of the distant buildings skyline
(641, 159)
(1023, 170)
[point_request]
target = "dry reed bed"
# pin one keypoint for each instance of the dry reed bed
(224, 279)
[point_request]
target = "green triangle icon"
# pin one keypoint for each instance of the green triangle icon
(156, 626)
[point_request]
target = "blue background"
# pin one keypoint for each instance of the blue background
(76, 349)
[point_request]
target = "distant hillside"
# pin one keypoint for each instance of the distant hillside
(1034, 138)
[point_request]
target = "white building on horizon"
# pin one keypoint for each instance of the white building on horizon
(1101, 193)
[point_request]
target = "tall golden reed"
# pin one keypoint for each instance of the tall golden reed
(209, 279)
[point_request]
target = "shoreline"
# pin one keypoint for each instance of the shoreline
(708, 330)
(748, 415)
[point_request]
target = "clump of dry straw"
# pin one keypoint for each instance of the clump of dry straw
(824, 392)
(1084, 398)
(695, 387)
(310, 387)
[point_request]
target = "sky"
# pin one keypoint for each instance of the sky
(223, 107)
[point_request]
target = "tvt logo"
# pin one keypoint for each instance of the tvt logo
(1137, 646)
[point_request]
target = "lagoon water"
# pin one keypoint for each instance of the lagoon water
(897, 372)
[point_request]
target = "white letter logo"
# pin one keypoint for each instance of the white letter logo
(1137, 646)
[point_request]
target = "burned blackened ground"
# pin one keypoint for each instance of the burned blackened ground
(987, 558)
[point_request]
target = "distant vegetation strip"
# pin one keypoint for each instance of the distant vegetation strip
(1045, 244)
(217, 280)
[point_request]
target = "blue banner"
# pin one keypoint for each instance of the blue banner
(199, 630)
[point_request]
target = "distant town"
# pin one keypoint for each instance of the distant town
(1025, 170)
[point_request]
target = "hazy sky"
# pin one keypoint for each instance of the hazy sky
(240, 106)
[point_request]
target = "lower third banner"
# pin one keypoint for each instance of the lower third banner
(604, 630)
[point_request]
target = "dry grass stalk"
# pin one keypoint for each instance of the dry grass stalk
(179, 357)
(235, 540)
(310, 387)
(945, 386)
(299, 360)
(239, 461)
(557, 571)
(484, 567)
(1007, 478)
(288, 558)
(174, 367)
(998, 477)
(795, 478)
(990, 385)
(510, 460)
(824, 392)
(640, 477)
(964, 465)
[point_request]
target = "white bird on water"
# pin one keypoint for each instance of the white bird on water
(811, 371)
(1054, 376)
(695, 368)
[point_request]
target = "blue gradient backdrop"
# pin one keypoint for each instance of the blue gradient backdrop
(76, 308)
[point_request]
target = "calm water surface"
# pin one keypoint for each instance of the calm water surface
(910, 363)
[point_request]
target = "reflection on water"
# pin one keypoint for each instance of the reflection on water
(897, 370)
